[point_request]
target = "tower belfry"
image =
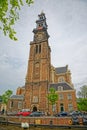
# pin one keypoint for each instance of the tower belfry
(38, 73)
(40, 32)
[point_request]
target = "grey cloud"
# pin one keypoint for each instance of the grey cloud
(67, 27)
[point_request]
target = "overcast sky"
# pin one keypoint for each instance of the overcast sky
(67, 27)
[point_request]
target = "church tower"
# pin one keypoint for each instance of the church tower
(41, 76)
(39, 66)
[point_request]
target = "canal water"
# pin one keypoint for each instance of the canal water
(9, 127)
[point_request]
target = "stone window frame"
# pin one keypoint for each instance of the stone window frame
(69, 96)
(70, 106)
(11, 104)
(61, 79)
(35, 99)
(38, 48)
(19, 104)
(61, 96)
(60, 88)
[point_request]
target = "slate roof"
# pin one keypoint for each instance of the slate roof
(64, 85)
(59, 70)
(17, 97)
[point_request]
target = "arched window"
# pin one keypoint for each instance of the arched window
(36, 48)
(39, 48)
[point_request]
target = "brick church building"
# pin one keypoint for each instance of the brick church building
(41, 75)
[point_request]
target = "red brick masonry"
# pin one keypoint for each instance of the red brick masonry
(44, 120)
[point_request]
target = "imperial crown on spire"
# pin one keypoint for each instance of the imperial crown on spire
(41, 23)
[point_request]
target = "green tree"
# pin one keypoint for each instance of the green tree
(9, 14)
(0, 98)
(5, 97)
(83, 92)
(82, 104)
(52, 97)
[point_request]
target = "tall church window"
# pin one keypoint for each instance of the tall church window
(36, 48)
(39, 48)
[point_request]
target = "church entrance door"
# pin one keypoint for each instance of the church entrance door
(34, 108)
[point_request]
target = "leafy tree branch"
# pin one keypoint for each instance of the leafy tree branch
(82, 104)
(9, 14)
(5, 97)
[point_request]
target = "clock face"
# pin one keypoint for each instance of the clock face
(39, 37)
